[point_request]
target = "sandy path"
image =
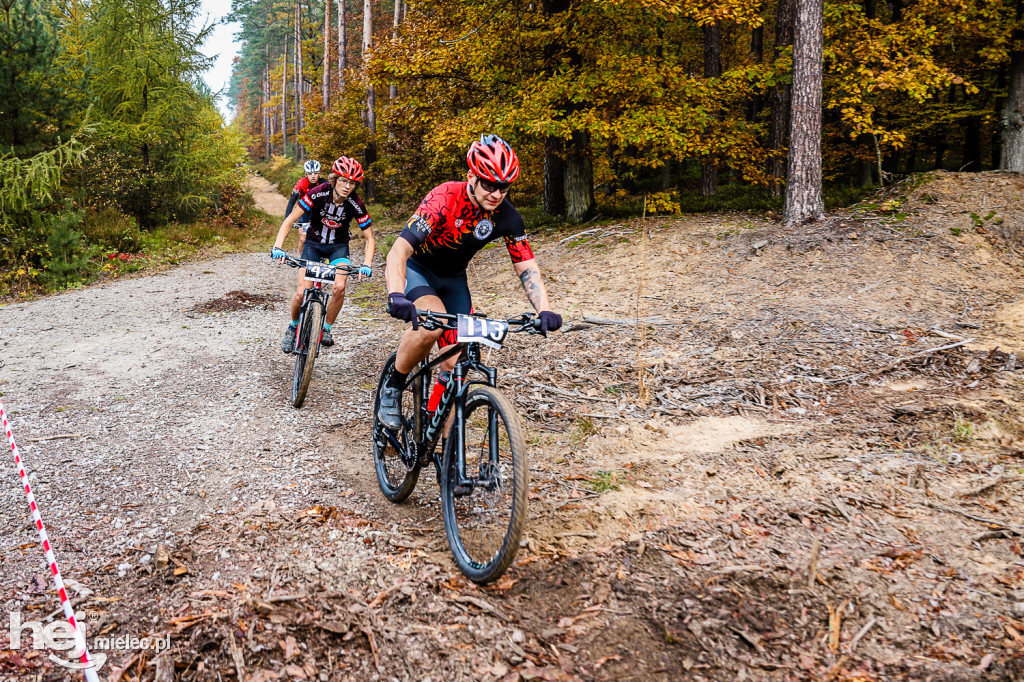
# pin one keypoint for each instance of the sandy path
(266, 196)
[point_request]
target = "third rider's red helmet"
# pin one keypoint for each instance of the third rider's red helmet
(493, 159)
(348, 168)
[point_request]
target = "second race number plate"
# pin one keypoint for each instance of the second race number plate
(481, 330)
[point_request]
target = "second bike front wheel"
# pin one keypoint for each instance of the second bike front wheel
(396, 479)
(484, 521)
(306, 349)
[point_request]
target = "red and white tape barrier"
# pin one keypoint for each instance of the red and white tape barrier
(81, 650)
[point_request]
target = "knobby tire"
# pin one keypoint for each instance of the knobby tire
(480, 559)
(309, 340)
(395, 479)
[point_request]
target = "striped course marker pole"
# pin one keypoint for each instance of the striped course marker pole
(80, 646)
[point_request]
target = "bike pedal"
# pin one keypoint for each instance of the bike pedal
(463, 490)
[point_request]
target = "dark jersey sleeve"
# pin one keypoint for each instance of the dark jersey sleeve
(362, 215)
(291, 202)
(516, 243)
(307, 202)
(429, 215)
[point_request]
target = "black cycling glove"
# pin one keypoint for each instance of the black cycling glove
(402, 308)
(549, 321)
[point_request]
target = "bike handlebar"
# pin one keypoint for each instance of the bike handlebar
(302, 262)
(430, 320)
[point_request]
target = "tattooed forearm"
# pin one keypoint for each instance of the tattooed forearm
(532, 286)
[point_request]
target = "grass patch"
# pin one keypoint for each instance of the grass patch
(963, 430)
(603, 481)
(583, 429)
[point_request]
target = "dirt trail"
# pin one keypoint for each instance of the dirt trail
(266, 196)
(668, 540)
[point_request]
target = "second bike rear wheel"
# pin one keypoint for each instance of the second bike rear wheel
(395, 478)
(484, 524)
(308, 346)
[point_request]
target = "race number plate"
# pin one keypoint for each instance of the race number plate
(319, 272)
(481, 330)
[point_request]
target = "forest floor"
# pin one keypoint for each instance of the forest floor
(808, 463)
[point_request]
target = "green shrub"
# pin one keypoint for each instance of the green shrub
(68, 260)
(112, 230)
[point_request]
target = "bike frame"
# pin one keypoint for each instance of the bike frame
(315, 291)
(454, 396)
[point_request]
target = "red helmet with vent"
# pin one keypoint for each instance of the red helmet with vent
(493, 159)
(348, 168)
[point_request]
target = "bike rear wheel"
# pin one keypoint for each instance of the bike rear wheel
(306, 349)
(395, 477)
(484, 526)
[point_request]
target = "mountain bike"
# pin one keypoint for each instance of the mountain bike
(311, 320)
(482, 471)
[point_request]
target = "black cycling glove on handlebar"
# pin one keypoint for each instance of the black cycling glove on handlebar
(402, 308)
(549, 321)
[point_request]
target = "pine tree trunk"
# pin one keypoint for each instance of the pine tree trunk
(327, 54)
(554, 150)
(912, 156)
(579, 179)
(940, 152)
(803, 202)
(299, 81)
(266, 106)
(756, 101)
(342, 43)
(712, 69)
(971, 161)
(284, 100)
(554, 177)
(371, 115)
(393, 91)
(867, 165)
(778, 127)
(1012, 119)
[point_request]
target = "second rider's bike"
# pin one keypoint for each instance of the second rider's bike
(482, 471)
(311, 320)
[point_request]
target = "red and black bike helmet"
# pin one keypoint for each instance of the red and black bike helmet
(493, 159)
(348, 168)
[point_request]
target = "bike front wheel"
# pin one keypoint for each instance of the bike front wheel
(306, 349)
(394, 452)
(484, 519)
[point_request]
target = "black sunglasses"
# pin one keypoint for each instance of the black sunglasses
(489, 186)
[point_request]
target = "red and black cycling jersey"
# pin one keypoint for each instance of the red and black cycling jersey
(303, 186)
(447, 230)
(328, 222)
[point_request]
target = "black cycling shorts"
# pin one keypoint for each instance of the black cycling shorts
(453, 292)
(332, 253)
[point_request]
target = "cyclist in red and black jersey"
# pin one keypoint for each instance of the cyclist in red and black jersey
(307, 182)
(331, 206)
(426, 267)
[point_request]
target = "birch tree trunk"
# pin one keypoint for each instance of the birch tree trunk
(778, 127)
(712, 69)
(803, 202)
(327, 54)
